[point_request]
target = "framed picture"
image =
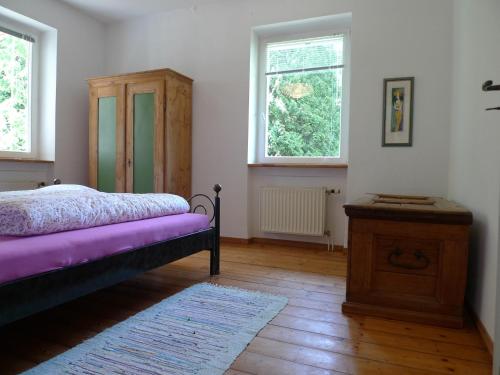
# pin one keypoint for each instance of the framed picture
(398, 112)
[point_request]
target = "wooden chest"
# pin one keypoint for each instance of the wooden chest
(407, 259)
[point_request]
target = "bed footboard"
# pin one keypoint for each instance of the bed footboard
(215, 252)
(215, 208)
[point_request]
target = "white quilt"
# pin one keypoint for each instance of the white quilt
(66, 207)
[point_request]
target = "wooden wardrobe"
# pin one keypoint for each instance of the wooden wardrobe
(140, 133)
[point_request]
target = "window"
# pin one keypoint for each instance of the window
(16, 94)
(303, 99)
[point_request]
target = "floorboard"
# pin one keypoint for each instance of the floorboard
(309, 336)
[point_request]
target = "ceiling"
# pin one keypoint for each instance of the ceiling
(117, 10)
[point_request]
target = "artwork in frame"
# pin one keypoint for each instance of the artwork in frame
(398, 112)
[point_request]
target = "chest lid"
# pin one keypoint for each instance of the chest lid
(409, 208)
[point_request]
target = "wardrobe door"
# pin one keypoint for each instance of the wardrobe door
(107, 138)
(178, 137)
(145, 134)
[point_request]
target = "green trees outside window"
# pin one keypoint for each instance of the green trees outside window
(15, 54)
(304, 98)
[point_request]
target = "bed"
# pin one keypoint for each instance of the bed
(41, 271)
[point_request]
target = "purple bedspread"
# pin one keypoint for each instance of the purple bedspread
(26, 256)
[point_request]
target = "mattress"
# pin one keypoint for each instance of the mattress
(27, 256)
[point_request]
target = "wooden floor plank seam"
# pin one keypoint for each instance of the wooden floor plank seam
(304, 364)
(331, 280)
(327, 277)
(437, 357)
(404, 369)
(286, 367)
(378, 330)
(381, 345)
(273, 282)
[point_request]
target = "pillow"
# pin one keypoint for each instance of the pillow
(64, 187)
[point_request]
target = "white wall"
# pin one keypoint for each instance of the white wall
(474, 178)
(80, 56)
(212, 45)
(400, 39)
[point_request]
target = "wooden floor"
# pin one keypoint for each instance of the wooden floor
(310, 335)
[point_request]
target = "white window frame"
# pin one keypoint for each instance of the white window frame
(262, 101)
(33, 128)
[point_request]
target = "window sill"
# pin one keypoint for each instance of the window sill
(25, 160)
(296, 165)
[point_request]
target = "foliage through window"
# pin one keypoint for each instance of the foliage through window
(15, 82)
(304, 97)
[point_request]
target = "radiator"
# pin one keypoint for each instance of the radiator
(300, 211)
(18, 185)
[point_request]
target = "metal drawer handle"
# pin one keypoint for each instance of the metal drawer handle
(422, 261)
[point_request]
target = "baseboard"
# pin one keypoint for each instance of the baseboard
(488, 342)
(277, 242)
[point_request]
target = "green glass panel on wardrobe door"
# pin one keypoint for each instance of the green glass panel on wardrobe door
(106, 159)
(144, 125)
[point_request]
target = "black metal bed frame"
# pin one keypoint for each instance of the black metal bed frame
(23, 297)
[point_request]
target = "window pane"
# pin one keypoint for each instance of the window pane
(15, 55)
(305, 54)
(304, 114)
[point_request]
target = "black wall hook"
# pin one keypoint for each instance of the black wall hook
(488, 86)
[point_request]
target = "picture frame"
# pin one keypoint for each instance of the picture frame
(397, 122)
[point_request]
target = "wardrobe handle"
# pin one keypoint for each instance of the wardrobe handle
(129, 163)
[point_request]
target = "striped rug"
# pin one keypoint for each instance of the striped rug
(200, 330)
